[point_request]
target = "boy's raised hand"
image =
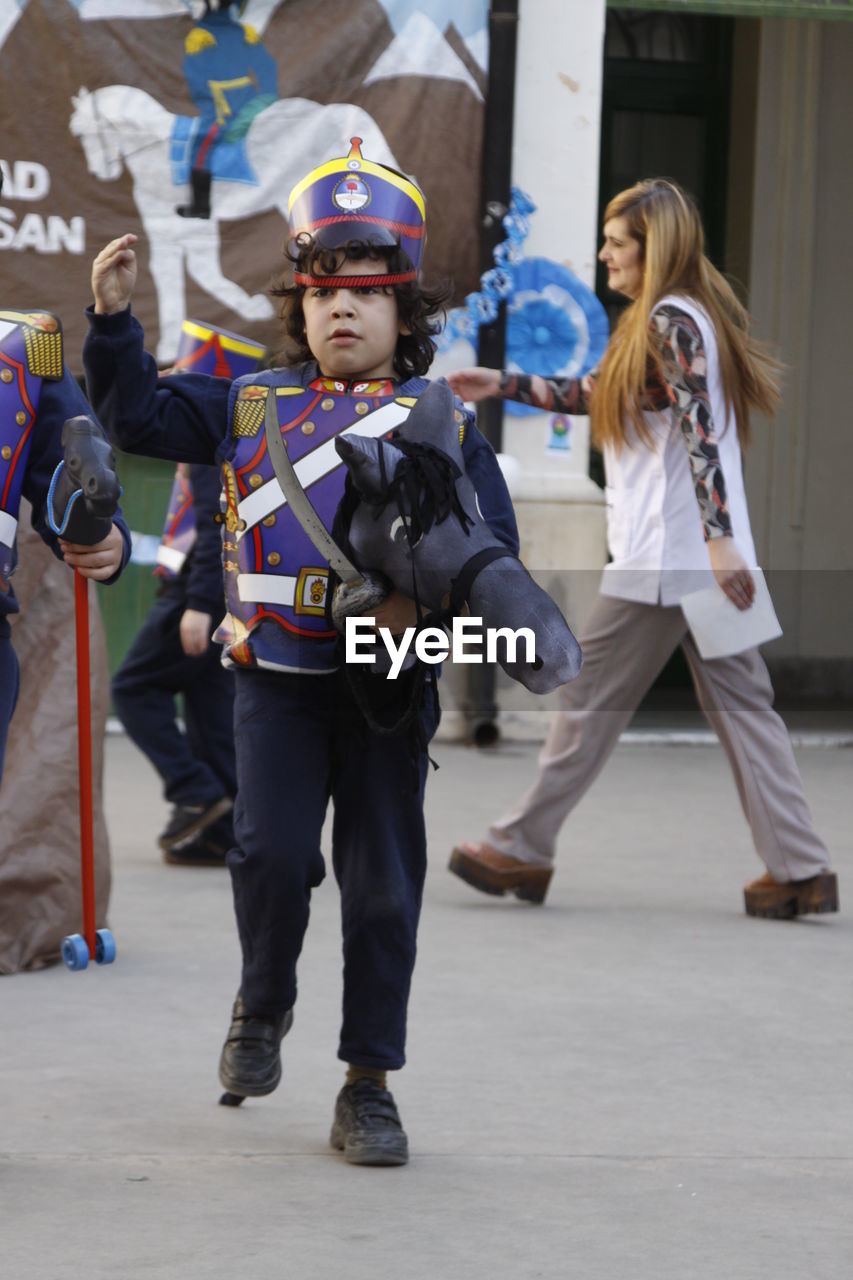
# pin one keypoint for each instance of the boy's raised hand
(114, 275)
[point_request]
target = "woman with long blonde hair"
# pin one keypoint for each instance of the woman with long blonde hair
(670, 408)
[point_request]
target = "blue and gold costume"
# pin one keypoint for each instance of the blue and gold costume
(37, 395)
(275, 579)
(180, 528)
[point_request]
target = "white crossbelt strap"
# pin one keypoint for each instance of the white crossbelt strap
(318, 463)
(8, 528)
(266, 588)
(171, 558)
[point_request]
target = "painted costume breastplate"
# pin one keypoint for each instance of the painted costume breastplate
(275, 579)
(30, 351)
(179, 530)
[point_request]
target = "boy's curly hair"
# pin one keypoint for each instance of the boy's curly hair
(421, 309)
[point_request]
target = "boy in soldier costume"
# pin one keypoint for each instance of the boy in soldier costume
(362, 324)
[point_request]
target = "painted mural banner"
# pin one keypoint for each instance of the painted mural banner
(188, 122)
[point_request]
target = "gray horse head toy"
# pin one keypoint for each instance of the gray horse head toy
(84, 491)
(416, 521)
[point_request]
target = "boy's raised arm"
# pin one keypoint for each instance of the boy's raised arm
(181, 417)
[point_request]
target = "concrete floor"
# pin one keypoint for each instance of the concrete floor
(632, 1081)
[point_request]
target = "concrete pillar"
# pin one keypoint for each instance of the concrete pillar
(555, 161)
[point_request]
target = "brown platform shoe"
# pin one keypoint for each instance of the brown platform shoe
(766, 897)
(483, 867)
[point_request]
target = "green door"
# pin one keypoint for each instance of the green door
(665, 114)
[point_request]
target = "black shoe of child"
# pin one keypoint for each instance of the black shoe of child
(367, 1125)
(188, 820)
(250, 1065)
(207, 849)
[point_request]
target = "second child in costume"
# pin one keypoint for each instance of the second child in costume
(363, 327)
(173, 652)
(37, 395)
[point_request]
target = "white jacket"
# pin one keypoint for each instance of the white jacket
(654, 527)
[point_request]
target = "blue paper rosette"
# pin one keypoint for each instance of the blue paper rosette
(555, 327)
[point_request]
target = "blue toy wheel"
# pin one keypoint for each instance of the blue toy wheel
(75, 951)
(105, 947)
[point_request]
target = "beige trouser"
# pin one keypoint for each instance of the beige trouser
(625, 645)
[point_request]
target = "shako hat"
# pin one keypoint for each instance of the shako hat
(204, 348)
(356, 199)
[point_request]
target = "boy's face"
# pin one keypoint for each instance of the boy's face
(352, 332)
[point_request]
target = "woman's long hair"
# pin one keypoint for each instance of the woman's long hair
(665, 222)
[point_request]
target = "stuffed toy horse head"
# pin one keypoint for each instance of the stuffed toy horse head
(416, 520)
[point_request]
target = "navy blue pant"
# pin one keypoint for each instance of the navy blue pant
(197, 767)
(301, 741)
(8, 685)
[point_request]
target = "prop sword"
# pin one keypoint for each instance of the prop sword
(358, 592)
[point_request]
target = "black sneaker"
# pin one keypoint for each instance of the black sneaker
(250, 1064)
(207, 849)
(367, 1125)
(188, 820)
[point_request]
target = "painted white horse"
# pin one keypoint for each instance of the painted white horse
(123, 126)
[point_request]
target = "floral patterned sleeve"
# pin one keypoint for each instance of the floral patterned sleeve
(685, 372)
(562, 395)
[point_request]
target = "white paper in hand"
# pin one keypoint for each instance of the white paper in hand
(721, 629)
